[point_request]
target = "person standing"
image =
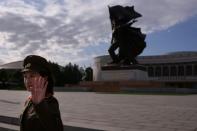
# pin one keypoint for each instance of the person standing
(41, 111)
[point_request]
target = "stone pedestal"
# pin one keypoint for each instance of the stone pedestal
(123, 73)
(104, 72)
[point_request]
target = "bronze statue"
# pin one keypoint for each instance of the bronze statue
(129, 40)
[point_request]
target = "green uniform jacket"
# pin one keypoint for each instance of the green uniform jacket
(44, 116)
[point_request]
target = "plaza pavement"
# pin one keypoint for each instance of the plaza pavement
(83, 111)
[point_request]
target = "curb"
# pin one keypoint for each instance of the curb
(9, 120)
(15, 121)
(6, 129)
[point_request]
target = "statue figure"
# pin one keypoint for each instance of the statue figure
(129, 40)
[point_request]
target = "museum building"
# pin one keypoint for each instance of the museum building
(178, 69)
(173, 66)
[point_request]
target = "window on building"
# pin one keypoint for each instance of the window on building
(173, 71)
(195, 70)
(158, 71)
(165, 71)
(150, 71)
(189, 70)
(181, 70)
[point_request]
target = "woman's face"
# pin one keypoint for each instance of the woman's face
(30, 79)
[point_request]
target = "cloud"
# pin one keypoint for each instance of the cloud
(62, 30)
(162, 14)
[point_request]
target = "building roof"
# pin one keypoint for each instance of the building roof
(182, 53)
(172, 57)
(12, 65)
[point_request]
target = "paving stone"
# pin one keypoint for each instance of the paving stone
(115, 112)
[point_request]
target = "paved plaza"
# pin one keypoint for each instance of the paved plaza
(112, 112)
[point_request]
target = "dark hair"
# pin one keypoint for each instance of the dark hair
(50, 80)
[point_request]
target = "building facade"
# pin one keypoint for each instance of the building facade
(177, 69)
(173, 66)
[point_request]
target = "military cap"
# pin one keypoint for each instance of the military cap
(35, 63)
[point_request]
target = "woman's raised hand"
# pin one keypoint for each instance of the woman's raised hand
(39, 90)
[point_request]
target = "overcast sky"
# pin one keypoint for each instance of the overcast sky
(78, 30)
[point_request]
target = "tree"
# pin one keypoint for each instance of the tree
(57, 74)
(72, 74)
(3, 78)
(17, 77)
(88, 74)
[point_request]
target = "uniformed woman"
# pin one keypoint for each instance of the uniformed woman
(41, 111)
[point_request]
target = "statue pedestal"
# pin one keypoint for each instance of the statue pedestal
(104, 72)
(116, 78)
(122, 73)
